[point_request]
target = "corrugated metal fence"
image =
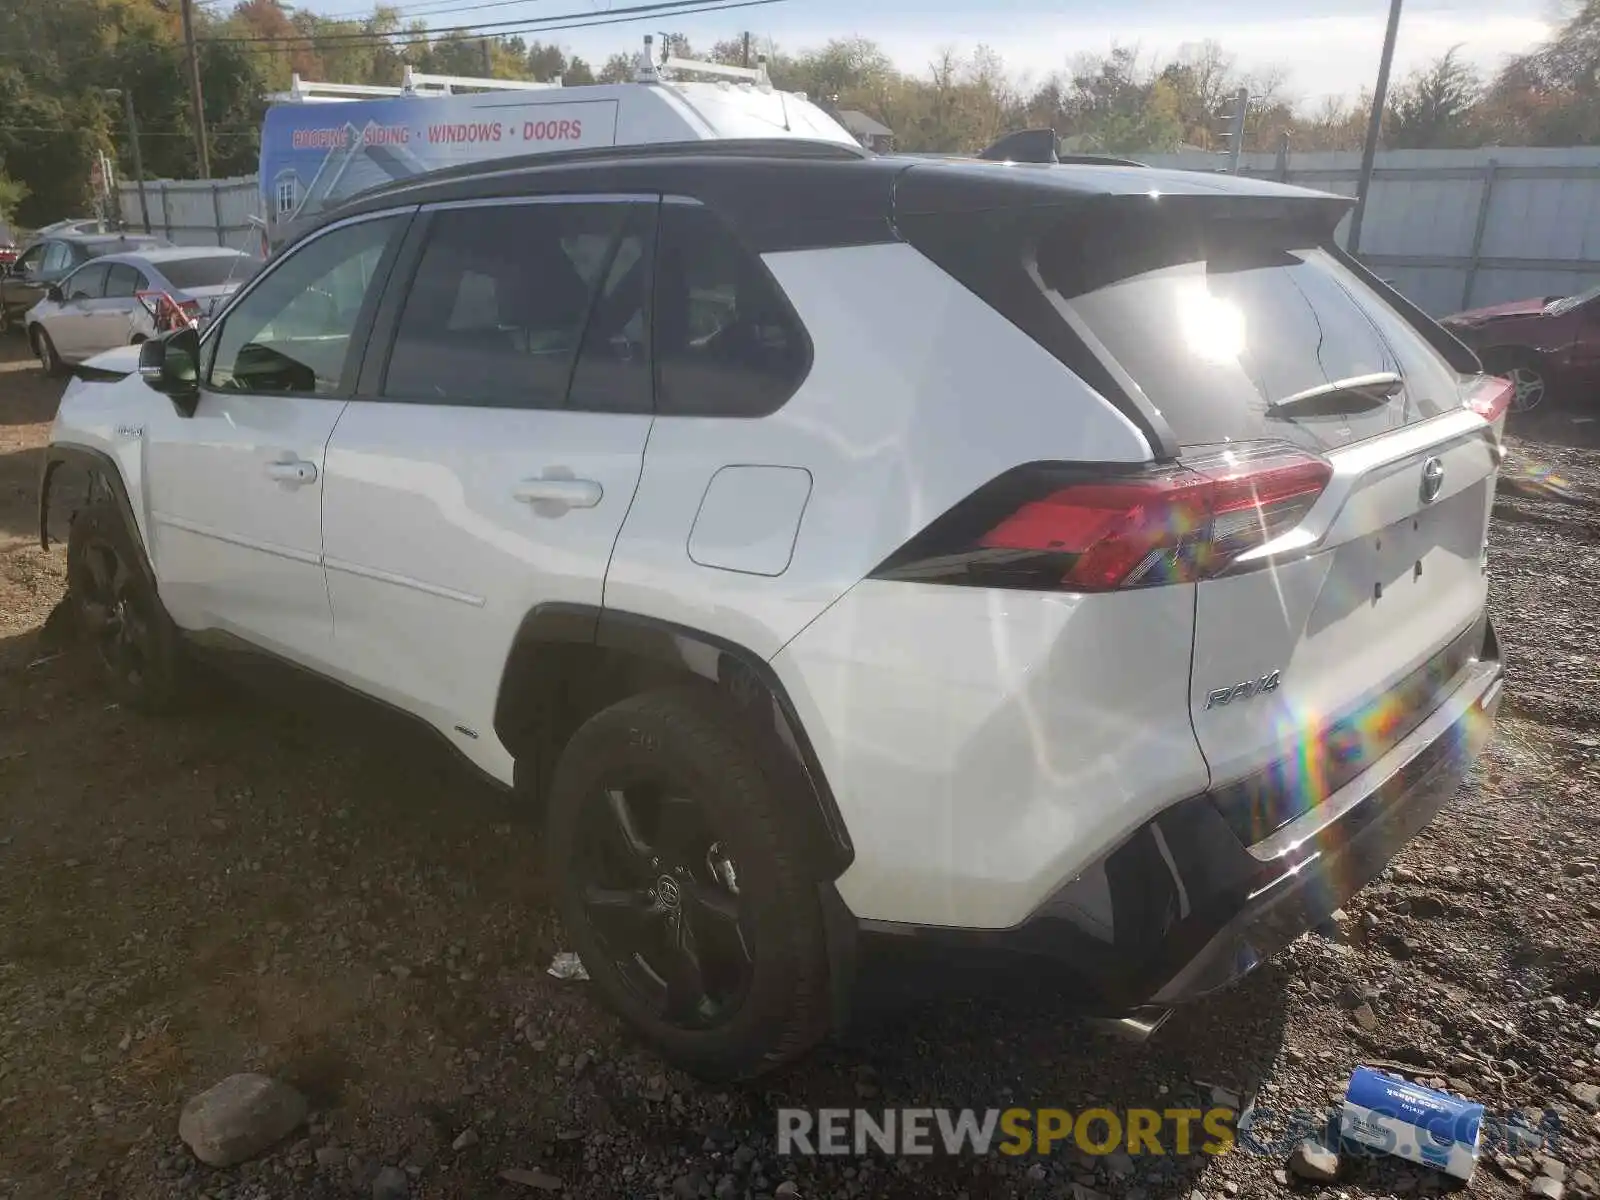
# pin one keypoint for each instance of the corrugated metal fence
(196, 212)
(1457, 229)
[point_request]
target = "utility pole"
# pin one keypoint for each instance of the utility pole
(194, 90)
(1380, 95)
(1241, 102)
(488, 59)
(138, 156)
(744, 61)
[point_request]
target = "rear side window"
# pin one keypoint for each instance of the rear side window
(498, 308)
(727, 342)
(1220, 322)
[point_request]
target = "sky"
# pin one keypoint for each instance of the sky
(1326, 47)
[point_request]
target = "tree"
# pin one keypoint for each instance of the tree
(1435, 107)
(546, 62)
(618, 69)
(578, 72)
(12, 194)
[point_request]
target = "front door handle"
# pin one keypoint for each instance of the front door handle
(551, 497)
(294, 471)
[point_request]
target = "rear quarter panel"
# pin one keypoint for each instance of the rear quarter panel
(917, 395)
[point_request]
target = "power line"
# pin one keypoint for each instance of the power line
(615, 16)
(230, 131)
(402, 40)
(426, 8)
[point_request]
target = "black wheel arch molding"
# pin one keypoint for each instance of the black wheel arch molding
(744, 676)
(97, 473)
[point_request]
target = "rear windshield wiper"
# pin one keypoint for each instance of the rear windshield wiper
(1381, 383)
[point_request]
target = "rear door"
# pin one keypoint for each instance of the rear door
(1253, 340)
(486, 467)
(113, 316)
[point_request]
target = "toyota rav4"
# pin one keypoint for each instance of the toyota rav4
(1079, 561)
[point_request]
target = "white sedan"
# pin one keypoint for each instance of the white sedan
(108, 301)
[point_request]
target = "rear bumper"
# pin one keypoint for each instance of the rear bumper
(1185, 907)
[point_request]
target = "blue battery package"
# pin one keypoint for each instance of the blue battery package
(1430, 1128)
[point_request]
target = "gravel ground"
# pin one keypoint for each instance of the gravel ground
(316, 896)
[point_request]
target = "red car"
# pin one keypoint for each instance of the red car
(8, 247)
(1548, 347)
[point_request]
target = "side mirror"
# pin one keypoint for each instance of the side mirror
(54, 294)
(171, 365)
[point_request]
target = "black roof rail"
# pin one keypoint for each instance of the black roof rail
(790, 148)
(1101, 160)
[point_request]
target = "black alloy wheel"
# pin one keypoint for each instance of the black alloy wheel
(662, 898)
(111, 605)
(117, 613)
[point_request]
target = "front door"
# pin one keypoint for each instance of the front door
(487, 467)
(70, 323)
(236, 490)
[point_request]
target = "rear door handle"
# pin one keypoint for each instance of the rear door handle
(294, 471)
(552, 497)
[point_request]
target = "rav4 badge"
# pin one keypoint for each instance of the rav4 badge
(1247, 690)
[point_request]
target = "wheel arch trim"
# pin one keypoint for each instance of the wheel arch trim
(693, 651)
(97, 465)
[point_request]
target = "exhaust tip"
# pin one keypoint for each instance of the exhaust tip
(1137, 1026)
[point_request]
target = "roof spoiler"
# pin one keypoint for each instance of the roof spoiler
(1025, 145)
(1040, 146)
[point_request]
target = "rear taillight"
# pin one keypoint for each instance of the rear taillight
(1058, 527)
(1490, 397)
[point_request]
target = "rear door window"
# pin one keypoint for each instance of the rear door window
(123, 280)
(1223, 324)
(498, 308)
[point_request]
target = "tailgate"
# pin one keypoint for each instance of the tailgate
(1317, 651)
(1308, 670)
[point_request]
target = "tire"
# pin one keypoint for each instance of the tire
(118, 615)
(759, 997)
(49, 360)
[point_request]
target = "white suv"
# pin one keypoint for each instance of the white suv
(1086, 561)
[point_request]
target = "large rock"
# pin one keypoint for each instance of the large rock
(239, 1118)
(1315, 1162)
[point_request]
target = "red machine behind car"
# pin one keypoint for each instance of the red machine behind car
(8, 247)
(1548, 346)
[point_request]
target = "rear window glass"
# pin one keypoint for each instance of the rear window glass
(213, 270)
(1220, 322)
(117, 246)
